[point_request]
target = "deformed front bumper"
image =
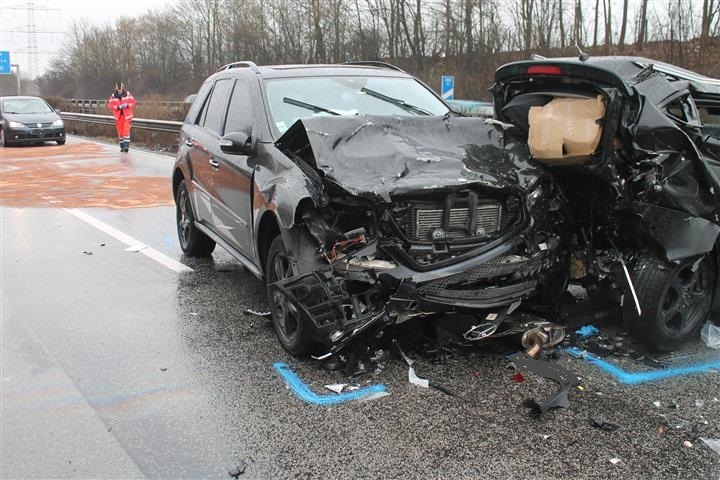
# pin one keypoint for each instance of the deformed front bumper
(340, 301)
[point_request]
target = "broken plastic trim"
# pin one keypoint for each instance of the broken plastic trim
(565, 378)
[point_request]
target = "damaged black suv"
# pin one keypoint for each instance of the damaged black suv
(364, 201)
(638, 173)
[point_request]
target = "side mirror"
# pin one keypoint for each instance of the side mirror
(237, 143)
(58, 111)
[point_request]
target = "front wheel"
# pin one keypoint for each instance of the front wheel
(192, 241)
(3, 141)
(289, 323)
(675, 300)
(60, 142)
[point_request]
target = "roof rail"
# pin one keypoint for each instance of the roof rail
(250, 65)
(376, 63)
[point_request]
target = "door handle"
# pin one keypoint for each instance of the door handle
(189, 142)
(214, 163)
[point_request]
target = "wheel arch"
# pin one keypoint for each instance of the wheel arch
(268, 229)
(178, 176)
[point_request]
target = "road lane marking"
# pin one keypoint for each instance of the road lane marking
(149, 252)
(303, 392)
(634, 378)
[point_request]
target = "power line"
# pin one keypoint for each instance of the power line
(31, 31)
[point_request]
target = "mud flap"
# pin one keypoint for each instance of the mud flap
(565, 378)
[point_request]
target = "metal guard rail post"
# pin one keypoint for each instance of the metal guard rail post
(142, 123)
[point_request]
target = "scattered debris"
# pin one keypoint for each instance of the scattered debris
(193, 314)
(699, 403)
(265, 314)
(710, 335)
(136, 248)
(673, 405)
(518, 377)
(415, 380)
(565, 378)
(687, 444)
(603, 425)
(336, 387)
(615, 461)
(102, 244)
(587, 331)
(238, 470)
(163, 369)
(657, 403)
(87, 253)
(674, 422)
(713, 443)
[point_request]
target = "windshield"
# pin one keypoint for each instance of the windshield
(294, 98)
(26, 105)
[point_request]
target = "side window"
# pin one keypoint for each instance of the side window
(240, 111)
(198, 107)
(214, 116)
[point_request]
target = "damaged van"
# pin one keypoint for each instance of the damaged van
(637, 173)
(363, 201)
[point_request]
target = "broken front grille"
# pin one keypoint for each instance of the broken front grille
(458, 216)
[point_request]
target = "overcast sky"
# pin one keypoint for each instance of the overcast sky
(58, 18)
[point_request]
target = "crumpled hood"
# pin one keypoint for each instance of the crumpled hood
(386, 156)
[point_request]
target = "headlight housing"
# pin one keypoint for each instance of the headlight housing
(58, 123)
(12, 124)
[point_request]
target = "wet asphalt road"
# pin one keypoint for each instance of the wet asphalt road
(116, 366)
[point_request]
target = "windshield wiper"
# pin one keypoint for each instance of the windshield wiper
(408, 107)
(309, 106)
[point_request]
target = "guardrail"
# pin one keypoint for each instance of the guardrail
(142, 123)
(87, 105)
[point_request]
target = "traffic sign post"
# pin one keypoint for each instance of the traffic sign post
(448, 87)
(4, 62)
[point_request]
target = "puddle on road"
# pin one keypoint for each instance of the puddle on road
(76, 175)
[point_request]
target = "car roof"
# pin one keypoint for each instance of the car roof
(321, 70)
(19, 97)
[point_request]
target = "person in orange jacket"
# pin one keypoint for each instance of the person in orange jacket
(122, 103)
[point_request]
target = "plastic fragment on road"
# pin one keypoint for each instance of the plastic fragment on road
(336, 387)
(304, 393)
(265, 314)
(238, 470)
(415, 380)
(603, 425)
(615, 461)
(518, 377)
(712, 443)
(587, 331)
(687, 444)
(710, 335)
(563, 377)
(657, 403)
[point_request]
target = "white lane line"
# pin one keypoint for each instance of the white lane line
(149, 252)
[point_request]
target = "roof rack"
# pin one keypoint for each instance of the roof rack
(376, 63)
(250, 65)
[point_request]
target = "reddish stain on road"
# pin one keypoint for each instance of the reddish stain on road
(77, 175)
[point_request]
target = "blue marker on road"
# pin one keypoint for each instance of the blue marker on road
(303, 392)
(634, 378)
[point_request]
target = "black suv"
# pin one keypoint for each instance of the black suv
(363, 201)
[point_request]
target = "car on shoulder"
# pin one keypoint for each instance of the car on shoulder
(29, 120)
(638, 174)
(363, 201)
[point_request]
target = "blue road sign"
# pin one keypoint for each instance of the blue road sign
(4, 63)
(448, 87)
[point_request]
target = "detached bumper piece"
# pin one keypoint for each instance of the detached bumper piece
(338, 307)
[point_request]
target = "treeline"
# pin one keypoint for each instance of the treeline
(168, 53)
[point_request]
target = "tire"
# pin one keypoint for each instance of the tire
(290, 326)
(192, 241)
(3, 141)
(60, 142)
(674, 300)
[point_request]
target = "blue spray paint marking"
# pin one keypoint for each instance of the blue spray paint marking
(633, 378)
(170, 240)
(303, 392)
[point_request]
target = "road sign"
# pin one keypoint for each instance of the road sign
(448, 87)
(4, 63)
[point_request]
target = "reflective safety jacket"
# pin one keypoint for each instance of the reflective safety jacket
(122, 106)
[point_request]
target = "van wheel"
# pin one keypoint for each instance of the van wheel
(675, 300)
(289, 323)
(192, 241)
